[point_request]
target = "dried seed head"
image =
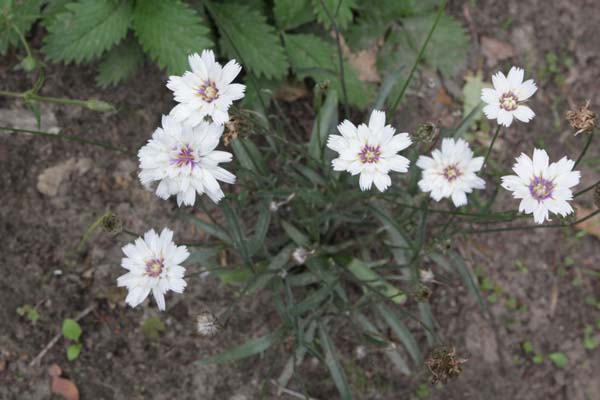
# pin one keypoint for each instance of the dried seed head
(422, 293)
(443, 364)
(583, 120)
(207, 324)
(239, 125)
(111, 223)
(426, 132)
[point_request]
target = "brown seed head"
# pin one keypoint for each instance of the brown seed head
(583, 120)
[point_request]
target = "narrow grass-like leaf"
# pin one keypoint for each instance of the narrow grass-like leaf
(260, 230)
(402, 332)
(467, 276)
(207, 227)
(248, 155)
(277, 264)
(312, 301)
(296, 360)
(324, 124)
(333, 364)
(396, 235)
(428, 322)
(295, 234)
(250, 348)
(237, 231)
(369, 278)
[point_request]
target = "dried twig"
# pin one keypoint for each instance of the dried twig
(57, 337)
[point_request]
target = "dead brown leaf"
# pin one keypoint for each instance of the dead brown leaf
(61, 386)
(364, 61)
(495, 50)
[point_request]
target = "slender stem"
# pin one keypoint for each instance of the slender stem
(499, 214)
(585, 148)
(131, 233)
(489, 150)
(70, 139)
(339, 53)
(587, 189)
(23, 41)
(527, 227)
(31, 96)
(419, 57)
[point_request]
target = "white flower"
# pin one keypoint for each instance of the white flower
(451, 172)
(370, 150)
(207, 90)
(185, 161)
(505, 101)
(542, 187)
(153, 264)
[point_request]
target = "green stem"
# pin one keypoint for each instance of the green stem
(23, 41)
(70, 138)
(585, 148)
(339, 54)
(587, 189)
(419, 57)
(527, 227)
(31, 96)
(489, 150)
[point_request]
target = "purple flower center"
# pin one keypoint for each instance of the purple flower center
(540, 188)
(154, 267)
(451, 173)
(208, 91)
(369, 154)
(184, 157)
(509, 101)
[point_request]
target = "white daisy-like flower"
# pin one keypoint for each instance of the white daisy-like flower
(206, 90)
(506, 100)
(451, 173)
(153, 264)
(184, 161)
(370, 150)
(541, 186)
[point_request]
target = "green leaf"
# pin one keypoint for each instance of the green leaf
(313, 56)
(333, 364)
(325, 122)
(236, 228)
(71, 329)
(559, 359)
(261, 229)
(472, 96)
(290, 14)
(16, 14)
(248, 155)
(87, 29)
(396, 235)
(527, 347)
(120, 63)
(30, 312)
(402, 332)
(277, 264)
(467, 276)
(245, 350)
(169, 31)
(207, 227)
(73, 351)
(339, 10)
(312, 301)
(295, 234)
(246, 31)
(369, 278)
(447, 50)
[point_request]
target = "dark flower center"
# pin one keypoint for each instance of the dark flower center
(369, 154)
(540, 188)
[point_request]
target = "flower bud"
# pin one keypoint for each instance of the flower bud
(111, 223)
(422, 293)
(99, 105)
(583, 120)
(426, 132)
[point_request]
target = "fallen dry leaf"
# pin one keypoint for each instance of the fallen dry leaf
(61, 386)
(443, 97)
(364, 61)
(495, 50)
(592, 225)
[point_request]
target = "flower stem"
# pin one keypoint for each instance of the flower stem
(587, 189)
(527, 227)
(70, 138)
(419, 57)
(339, 53)
(489, 150)
(585, 148)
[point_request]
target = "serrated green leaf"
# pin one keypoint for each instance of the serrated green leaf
(73, 351)
(246, 31)
(447, 50)
(71, 329)
(120, 63)
(290, 14)
(339, 10)
(333, 364)
(169, 31)
(313, 56)
(16, 14)
(250, 348)
(52, 9)
(87, 29)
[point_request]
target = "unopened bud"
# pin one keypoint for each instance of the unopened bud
(207, 324)
(583, 120)
(28, 63)
(422, 293)
(426, 132)
(99, 105)
(111, 223)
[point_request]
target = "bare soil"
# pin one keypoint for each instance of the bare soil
(544, 280)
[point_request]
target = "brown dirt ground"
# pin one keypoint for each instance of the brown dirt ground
(119, 362)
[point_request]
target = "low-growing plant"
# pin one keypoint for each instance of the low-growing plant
(347, 229)
(71, 331)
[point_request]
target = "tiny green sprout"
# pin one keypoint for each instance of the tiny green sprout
(31, 313)
(527, 347)
(73, 351)
(511, 303)
(519, 264)
(538, 359)
(569, 262)
(559, 359)
(589, 342)
(72, 330)
(493, 298)
(486, 284)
